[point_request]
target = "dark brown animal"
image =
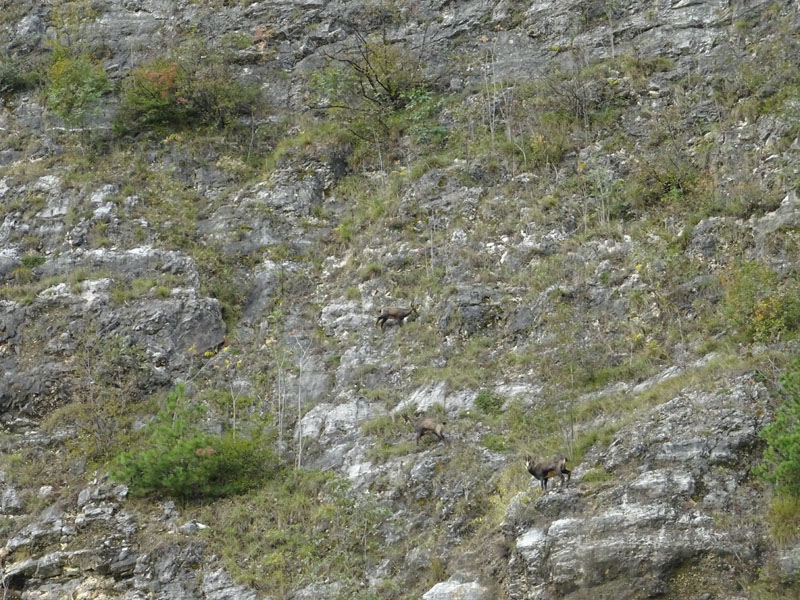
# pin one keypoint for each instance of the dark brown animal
(423, 425)
(547, 469)
(395, 313)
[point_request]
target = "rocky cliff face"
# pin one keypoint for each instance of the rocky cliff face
(593, 204)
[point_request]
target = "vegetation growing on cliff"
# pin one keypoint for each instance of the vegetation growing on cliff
(588, 241)
(782, 458)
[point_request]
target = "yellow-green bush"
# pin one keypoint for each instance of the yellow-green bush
(73, 86)
(758, 304)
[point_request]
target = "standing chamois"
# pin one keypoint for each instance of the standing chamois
(547, 469)
(395, 313)
(422, 425)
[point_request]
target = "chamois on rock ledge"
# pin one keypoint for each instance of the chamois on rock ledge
(423, 425)
(542, 471)
(398, 315)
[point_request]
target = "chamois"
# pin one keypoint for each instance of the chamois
(547, 469)
(422, 425)
(398, 314)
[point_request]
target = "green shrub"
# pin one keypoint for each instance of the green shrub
(782, 456)
(178, 459)
(171, 94)
(32, 261)
(488, 403)
(497, 443)
(16, 76)
(74, 85)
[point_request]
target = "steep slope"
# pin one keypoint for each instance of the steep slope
(593, 204)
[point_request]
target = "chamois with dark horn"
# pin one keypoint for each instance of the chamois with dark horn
(546, 469)
(396, 314)
(423, 425)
